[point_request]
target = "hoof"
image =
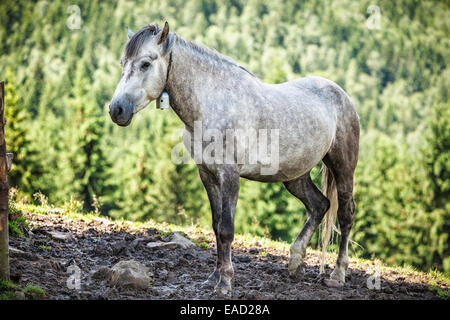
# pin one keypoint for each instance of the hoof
(223, 287)
(299, 273)
(211, 282)
(296, 267)
(338, 275)
(208, 284)
(223, 292)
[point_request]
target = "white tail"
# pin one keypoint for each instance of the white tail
(330, 191)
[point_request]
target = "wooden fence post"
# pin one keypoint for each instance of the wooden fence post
(4, 187)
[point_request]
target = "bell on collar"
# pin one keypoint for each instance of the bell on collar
(163, 101)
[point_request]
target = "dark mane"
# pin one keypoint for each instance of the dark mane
(138, 39)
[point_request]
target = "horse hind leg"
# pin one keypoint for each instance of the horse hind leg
(345, 216)
(342, 160)
(316, 205)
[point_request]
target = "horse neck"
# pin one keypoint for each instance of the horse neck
(194, 76)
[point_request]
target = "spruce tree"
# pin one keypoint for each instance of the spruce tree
(25, 167)
(87, 156)
(436, 159)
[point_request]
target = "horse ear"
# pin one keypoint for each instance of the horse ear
(130, 33)
(164, 33)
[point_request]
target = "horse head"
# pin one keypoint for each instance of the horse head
(145, 66)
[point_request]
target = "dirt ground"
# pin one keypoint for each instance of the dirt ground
(178, 273)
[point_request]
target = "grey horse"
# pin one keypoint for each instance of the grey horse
(315, 120)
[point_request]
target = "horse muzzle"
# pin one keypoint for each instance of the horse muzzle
(121, 112)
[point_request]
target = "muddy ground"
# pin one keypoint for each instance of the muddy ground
(178, 273)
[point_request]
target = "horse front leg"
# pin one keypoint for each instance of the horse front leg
(222, 188)
(212, 187)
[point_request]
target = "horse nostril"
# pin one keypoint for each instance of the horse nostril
(119, 111)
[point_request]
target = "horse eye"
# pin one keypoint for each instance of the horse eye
(145, 65)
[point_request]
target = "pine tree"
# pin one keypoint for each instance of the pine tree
(25, 166)
(436, 159)
(89, 162)
(91, 166)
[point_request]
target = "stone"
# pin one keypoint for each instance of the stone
(333, 283)
(130, 273)
(181, 241)
(161, 245)
(60, 236)
(15, 252)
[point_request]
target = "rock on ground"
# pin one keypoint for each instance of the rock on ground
(161, 245)
(181, 241)
(130, 273)
(173, 241)
(61, 236)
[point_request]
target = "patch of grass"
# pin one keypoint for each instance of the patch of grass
(443, 294)
(17, 226)
(439, 276)
(34, 292)
(44, 247)
(12, 206)
(69, 211)
(204, 245)
(166, 234)
(7, 285)
(73, 206)
(41, 198)
(7, 290)
(33, 208)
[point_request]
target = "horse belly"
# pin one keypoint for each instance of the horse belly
(300, 148)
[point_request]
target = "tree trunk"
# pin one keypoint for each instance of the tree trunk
(4, 187)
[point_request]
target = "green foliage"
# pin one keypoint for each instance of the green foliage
(8, 290)
(25, 165)
(34, 292)
(44, 247)
(204, 245)
(436, 186)
(60, 80)
(443, 294)
(16, 226)
(19, 224)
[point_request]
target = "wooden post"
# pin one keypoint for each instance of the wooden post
(4, 187)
